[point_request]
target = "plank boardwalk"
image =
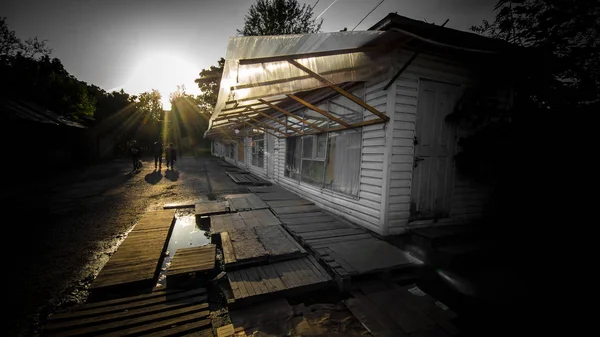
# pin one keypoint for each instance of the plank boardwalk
(247, 219)
(278, 278)
(158, 313)
(258, 245)
(246, 178)
(212, 208)
(401, 311)
(192, 260)
(346, 249)
(137, 260)
(245, 202)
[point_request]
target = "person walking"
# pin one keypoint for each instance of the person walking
(170, 155)
(157, 151)
(135, 152)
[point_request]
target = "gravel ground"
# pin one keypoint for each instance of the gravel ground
(68, 225)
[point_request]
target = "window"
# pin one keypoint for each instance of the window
(258, 151)
(313, 165)
(229, 151)
(328, 160)
(343, 161)
(292, 157)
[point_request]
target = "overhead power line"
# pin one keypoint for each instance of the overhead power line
(374, 8)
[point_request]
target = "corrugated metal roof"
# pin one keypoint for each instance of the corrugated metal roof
(35, 113)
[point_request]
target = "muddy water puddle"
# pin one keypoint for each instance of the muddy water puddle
(186, 234)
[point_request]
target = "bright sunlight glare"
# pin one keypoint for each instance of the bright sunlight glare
(163, 71)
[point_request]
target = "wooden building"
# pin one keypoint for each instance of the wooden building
(356, 121)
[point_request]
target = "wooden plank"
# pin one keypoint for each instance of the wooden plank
(326, 241)
(283, 203)
(99, 325)
(152, 247)
(369, 317)
(277, 242)
(195, 259)
(302, 215)
(246, 245)
(316, 227)
(296, 209)
(368, 256)
(228, 251)
(178, 205)
(278, 196)
(308, 220)
(172, 327)
(273, 277)
(211, 208)
(409, 318)
(331, 233)
(145, 304)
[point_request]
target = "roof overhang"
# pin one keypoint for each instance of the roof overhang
(267, 76)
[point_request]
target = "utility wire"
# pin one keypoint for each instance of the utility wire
(374, 8)
(325, 10)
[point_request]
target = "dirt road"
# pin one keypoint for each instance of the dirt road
(68, 225)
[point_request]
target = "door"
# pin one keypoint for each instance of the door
(270, 156)
(433, 172)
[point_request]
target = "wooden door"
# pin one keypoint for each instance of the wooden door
(433, 173)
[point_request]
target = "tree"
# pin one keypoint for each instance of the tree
(276, 17)
(11, 45)
(568, 32)
(149, 105)
(209, 83)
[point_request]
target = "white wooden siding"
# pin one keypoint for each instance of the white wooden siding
(365, 209)
(466, 202)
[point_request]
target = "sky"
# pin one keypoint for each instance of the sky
(139, 45)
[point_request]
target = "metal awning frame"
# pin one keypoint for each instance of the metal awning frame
(258, 109)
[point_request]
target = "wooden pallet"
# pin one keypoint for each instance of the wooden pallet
(357, 255)
(159, 313)
(136, 262)
(198, 261)
(247, 219)
(401, 311)
(246, 178)
(282, 278)
(258, 245)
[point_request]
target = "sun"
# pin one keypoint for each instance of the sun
(163, 71)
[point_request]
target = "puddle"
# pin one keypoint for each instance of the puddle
(186, 234)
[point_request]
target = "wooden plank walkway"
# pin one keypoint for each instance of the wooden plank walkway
(248, 219)
(212, 208)
(136, 261)
(245, 202)
(348, 250)
(258, 245)
(197, 260)
(280, 278)
(158, 313)
(247, 178)
(401, 311)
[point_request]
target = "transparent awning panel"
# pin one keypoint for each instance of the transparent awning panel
(258, 67)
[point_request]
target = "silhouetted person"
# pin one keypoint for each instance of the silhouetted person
(170, 155)
(135, 152)
(157, 150)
